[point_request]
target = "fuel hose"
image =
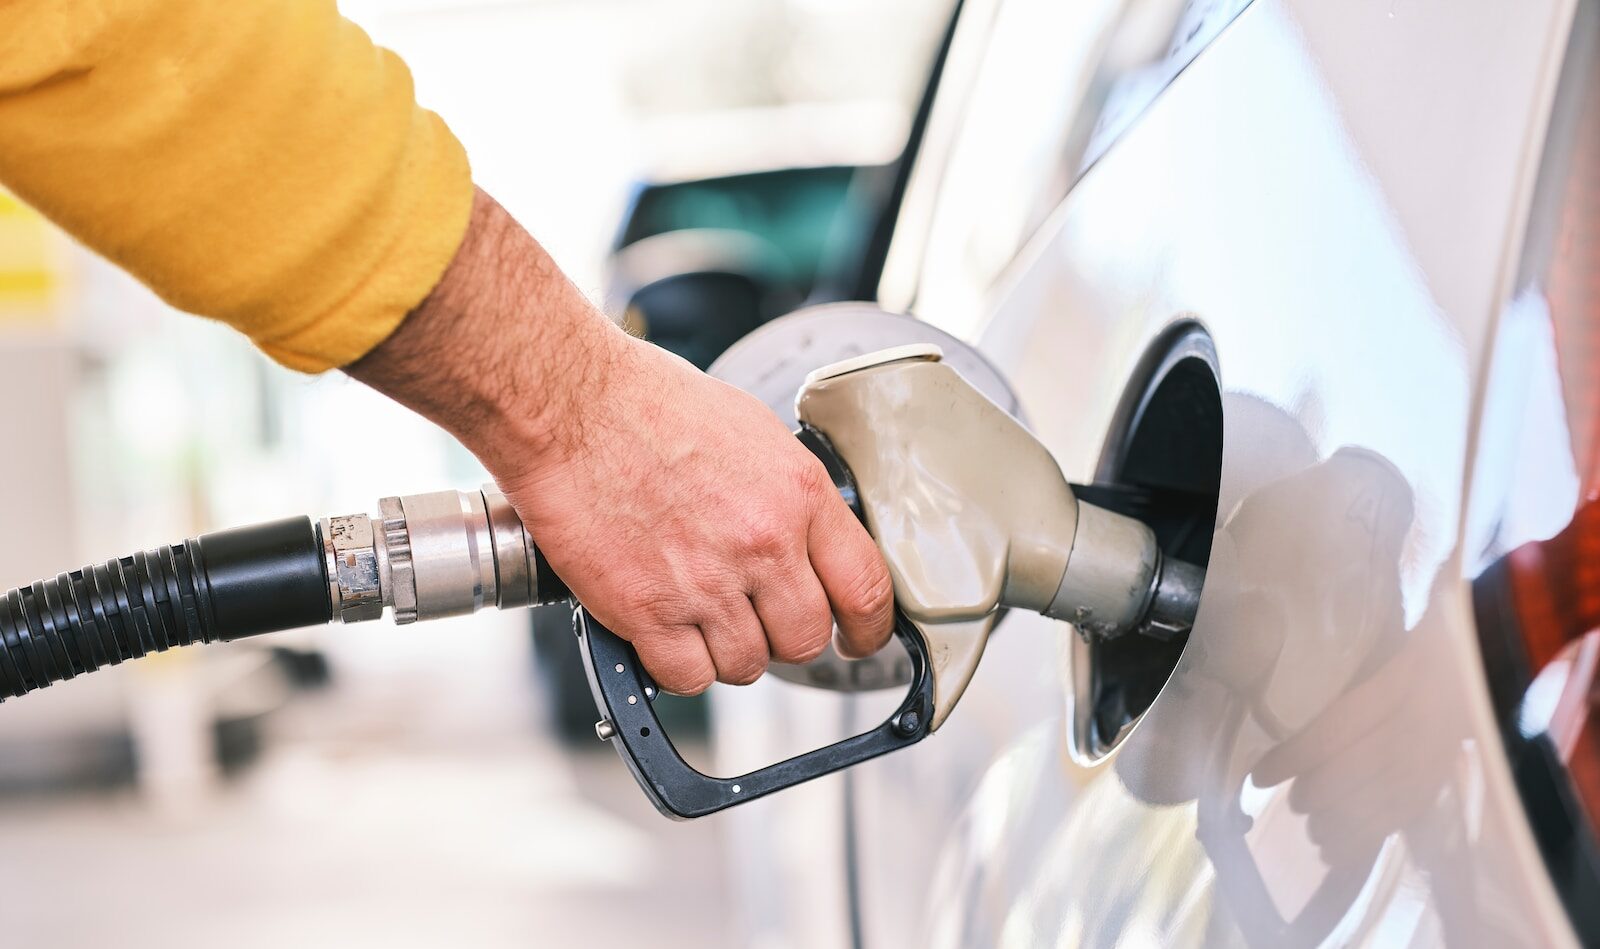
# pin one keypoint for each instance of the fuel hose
(426, 556)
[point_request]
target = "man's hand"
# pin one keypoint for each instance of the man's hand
(677, 508)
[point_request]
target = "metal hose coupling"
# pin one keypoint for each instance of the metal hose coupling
(445, 553)
(449, 553)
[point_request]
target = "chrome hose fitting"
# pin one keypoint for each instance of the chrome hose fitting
(445, 553)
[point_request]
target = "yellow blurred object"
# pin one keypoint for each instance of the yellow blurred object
(32, 265)
(259, 162)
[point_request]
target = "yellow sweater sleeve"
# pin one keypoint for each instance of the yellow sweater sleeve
(256, 161)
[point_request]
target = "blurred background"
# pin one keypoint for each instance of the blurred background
(698, 166)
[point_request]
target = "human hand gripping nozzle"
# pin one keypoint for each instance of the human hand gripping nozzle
(970, 511)
(972, 515)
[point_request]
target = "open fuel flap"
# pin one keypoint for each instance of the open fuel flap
(1162, 463)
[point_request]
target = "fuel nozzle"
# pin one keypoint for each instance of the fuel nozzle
(973, 514)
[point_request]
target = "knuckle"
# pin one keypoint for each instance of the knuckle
(656, 614)
(868, 595)
(764, 535)
(745, 668)
(671, 660)
(689, 682)
(819, 636)
(814, 648)
(809, 478)
(809, 639)
(683, 677)
(646, 600)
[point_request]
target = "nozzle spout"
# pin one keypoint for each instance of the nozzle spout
(1176, 600)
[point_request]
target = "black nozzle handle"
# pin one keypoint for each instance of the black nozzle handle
(626, 697)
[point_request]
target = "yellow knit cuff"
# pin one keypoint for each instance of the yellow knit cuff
(440, 207)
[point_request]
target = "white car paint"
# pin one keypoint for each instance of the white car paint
(1337, 192)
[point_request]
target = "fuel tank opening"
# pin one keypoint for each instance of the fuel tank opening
(1162, 464)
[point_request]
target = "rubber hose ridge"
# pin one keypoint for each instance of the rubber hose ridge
(101, 615)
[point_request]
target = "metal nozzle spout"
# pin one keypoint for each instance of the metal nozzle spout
(1175, 601)
(1119, 582)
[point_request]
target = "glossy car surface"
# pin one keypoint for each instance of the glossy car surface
(1338, 193)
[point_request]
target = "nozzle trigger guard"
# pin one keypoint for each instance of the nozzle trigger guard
(625, 695)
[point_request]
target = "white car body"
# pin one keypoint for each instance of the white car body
(1338, 192)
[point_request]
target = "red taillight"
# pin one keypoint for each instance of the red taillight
(1555, 586)
(1556, 583)
(1545, 665)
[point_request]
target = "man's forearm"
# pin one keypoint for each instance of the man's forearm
(263, 163)
(501, 349)
(678, 509)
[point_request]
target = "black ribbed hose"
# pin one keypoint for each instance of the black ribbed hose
(218, 587)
